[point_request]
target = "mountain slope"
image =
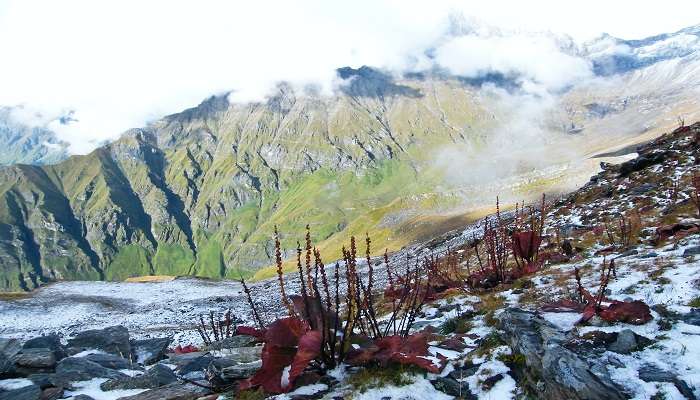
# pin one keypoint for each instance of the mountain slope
(200, 192)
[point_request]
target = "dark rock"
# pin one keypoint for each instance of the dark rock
(53, 393)
(641, 162)
(196, 368)
(111, 361)
(625, 343)
(174, 391)
(651, 254)
(52, 342)
(553, 370)
(43, 380)
(452, 387)
(159, 375)
(691, 251)
(114, 339)
(650, 373)
(233, 342)
(150, 351)
(491, 381)
(9, 347)
(628, 253)
(74, 369)
(29, 392)
(692, 318)
(7, 367)
(39, 358)
(464, 372)
(181, 360)
(228, 370)
(643, 188)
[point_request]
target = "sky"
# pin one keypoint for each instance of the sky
(119, 64)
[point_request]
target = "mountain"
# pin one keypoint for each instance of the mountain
(25, 144)
(200, 192)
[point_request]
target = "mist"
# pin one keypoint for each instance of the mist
(89, 71)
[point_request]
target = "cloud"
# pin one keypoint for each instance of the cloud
(119, 64)
(535, 58)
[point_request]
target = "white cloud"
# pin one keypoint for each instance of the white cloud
(532, 57)
(119, 64)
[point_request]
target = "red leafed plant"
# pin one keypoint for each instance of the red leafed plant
(185, 349)
(631, 312)
(501, 238)
(411, 350)
(290, 345)
(326, 323)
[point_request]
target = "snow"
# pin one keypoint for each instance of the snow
(92, 388)
(11, 384)
(565, 321)
(302, 391)
(421, 388)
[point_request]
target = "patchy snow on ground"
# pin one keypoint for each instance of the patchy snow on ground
(421, 388)
(92, 388)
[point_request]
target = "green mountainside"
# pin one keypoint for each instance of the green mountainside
(199, 192)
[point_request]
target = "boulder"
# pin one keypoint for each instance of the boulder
(52, 342)
(692, 318)
(227, 370)
(41, 379)
(650, 373)
(553, 370)
(232, 342)
(453, 387)
(150, 351)
(195, 369)
(641, 162)
(691, 251)
(28, 392)
(9, 347)
(7, 367)
(39, 358)
(74, 369)
(111, 361)
(625, 343)
(159, 375)
(53, 393)
(174, 391)
(242, 354)
(114, 340)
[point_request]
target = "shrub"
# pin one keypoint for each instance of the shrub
(327, 327)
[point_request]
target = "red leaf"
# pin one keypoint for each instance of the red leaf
(412, 350)
(632, 312)
(309, 348)
(186, 349)
(525, 244)
(285, 332)
(274, 361)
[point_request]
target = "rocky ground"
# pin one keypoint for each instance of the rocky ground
(501, 343)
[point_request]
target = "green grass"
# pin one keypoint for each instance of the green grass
(172, 259)
(695, 302)
(131, 260)
(377, 377)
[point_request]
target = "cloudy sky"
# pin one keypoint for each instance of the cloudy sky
(118, 64)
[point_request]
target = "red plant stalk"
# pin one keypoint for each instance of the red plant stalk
(254, 309)
(308, 262)
(695, 192)
(280, 274)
